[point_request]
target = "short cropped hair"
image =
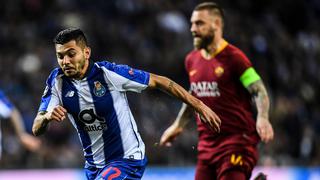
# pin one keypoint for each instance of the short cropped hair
(70, 34)
(212, 7)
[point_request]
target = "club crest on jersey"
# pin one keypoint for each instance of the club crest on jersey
(219, 71)
(99, 90)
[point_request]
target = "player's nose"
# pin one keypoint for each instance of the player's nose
(193, 29)
(66, 60)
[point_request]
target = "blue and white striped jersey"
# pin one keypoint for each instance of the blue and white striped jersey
(98, 108)
(6, 109)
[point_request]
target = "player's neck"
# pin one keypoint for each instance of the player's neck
(213, 49)
(85, 70)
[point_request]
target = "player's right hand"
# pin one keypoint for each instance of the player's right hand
(57, 114)
(209, 117)
(170, 135)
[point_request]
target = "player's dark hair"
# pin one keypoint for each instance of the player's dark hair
(70, 34)
(212, 7)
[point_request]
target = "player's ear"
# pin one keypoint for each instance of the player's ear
(87, 52)
(218, 22)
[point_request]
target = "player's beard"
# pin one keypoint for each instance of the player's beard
(202, 42)
(76, 73)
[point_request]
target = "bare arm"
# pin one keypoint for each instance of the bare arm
(26, 139)
(184, 116)
(42, 119)
(40, 124)
(207, 115)
(16, 120)
(169, 86)
(177, 126)
(259, 93)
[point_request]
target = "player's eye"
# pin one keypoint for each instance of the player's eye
(199, 23)
(71, 54)
(59, 56)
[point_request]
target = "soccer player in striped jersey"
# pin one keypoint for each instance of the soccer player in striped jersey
(93, 97)
(222, 77)
(8, 111)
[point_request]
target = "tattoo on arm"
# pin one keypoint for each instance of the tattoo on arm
(41, 123)
(171, 83)
(259, 93)
(42, 112)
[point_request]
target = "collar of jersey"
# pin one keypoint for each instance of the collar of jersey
(89, 69)
(223, 45)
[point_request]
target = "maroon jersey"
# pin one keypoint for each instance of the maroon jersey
(217, 83)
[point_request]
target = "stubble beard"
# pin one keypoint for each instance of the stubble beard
(77, 71)
(202, 42)
(74, 75)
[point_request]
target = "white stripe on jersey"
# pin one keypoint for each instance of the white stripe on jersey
(129, 132)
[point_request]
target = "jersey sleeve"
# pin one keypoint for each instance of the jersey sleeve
(249, 76)
(6, 107)
(126, 78)
(244, 70)
(50, 98)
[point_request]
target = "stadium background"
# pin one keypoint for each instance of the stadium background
(282, 39)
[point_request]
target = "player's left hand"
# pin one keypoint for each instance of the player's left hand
(30, 142)
(264, 129)
(170, 135)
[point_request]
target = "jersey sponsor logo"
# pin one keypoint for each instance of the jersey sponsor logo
(95, 127)
(70, 94)
(219, 71)
(88, 117)
(236, 160)
(193, 72)
(205, 89)
(99, 90)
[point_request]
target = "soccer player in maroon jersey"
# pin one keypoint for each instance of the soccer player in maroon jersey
(222, 77)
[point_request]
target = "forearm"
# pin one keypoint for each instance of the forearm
(174, 89)
(261, 98)
(263, 104)
(17, 122)
(40, 124)
(184, 116)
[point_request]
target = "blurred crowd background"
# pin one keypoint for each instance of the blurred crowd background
(282, 39)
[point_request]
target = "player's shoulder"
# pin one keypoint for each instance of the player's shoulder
(192, 54)
(233, 50)
(235, 56)
(54, 74)
(111, 66)
(104, 63)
